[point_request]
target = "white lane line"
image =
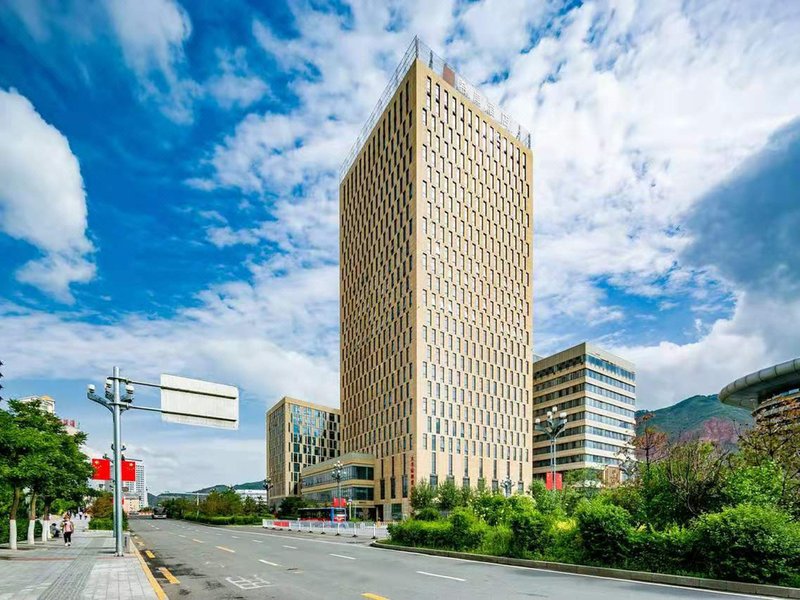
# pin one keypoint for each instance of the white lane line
(257, 541)
(236, 537)
(442, 576)
(180, 535)
(291, 547)
(198, 541)
(226, 549)
(342, 556)
(266, 562)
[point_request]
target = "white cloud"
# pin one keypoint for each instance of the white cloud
(42, 199)
(235, 85)
(152, 34)
(274, 336)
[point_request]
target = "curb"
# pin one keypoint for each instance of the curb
(160, 594)
(717, 585)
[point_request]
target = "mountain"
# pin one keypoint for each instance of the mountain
(698, 417)
(250, 485)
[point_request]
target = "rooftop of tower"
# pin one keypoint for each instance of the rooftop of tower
(418, 49)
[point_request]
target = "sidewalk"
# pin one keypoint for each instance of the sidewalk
(88, 570)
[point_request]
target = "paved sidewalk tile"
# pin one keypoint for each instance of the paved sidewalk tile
(88, 570)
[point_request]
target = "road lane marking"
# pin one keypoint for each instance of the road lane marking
(198, 541)
(170, 577)
(342, 556)
(180, 535)
(442, 576)
(290, 547)
(236, 537)
(226, 549)
(373, 596)
(266, 562)
(149, 554)
(258, 541)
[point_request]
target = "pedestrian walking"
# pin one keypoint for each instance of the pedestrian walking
(67, 527)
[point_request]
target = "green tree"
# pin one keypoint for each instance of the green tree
(422, 496)
(29, 436)
(448, 495)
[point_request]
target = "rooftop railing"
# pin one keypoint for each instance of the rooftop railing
(419, 50)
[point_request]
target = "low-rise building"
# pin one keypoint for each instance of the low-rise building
(596, 390)
(298, 434)
(356, 484)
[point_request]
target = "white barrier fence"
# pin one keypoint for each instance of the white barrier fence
(369, 530)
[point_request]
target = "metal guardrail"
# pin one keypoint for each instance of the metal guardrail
(369, 530)
(419, 50)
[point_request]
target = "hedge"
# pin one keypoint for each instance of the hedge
(224, 520)
(22, 530)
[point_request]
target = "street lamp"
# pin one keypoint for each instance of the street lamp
(506, 484)
(337, 473)
(267, 488)
(628, 464)
(552, 428)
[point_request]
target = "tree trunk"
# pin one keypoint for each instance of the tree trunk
(32, 520)
(12, 524)
(46, 521)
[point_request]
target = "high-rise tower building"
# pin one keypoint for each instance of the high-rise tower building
(436, 217)
(298, 434)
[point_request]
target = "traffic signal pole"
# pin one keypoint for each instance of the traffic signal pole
(116, 411)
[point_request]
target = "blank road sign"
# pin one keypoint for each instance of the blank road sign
(203, 403)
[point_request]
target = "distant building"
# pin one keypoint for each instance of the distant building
(48, 404)
(773, 393)
(299, 434)
(71, 426)
(597, 391)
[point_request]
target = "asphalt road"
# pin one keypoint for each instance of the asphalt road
(199, 561)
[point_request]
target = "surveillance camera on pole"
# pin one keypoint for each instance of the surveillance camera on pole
(211, 404)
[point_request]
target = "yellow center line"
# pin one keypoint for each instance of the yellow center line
(373, 596)
(226, 549)
(198, 541)
(149, 554)
(170, 577)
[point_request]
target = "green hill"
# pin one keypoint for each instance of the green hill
(250, 485)
(698, 416)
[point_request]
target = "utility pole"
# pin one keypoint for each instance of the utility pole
(117, 404)
(552, 428)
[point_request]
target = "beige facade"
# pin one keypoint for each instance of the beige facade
(436, 219)
(597, 391)
(299, 434)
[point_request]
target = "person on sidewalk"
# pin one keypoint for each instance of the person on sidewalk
(67, 527)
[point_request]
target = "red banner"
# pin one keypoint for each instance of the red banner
(128, 470)
(102, 469)
(549, 481)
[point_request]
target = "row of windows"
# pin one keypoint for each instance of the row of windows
(591, 444)
(580, 387)
(584, 401)
(348, 472)
(584, 373)
(575, 458)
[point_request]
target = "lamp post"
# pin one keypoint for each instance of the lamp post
(552, 428)
(506, 484)
(267, 488)
(337, 473)
(628, 464)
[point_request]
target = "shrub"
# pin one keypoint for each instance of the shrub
(547, 501)
(496, 541)
(466, 530)
(628, 496)
(430, 534)
(101, 523)
(428, 514)
(492, 508)
(748, 543)
(529, 532)
(565, 545)
(605, 531)
(667, 551)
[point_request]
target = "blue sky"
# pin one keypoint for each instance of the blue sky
(168, 177)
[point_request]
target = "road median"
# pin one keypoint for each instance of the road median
(641, 576)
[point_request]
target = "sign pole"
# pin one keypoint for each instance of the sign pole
(117, 462)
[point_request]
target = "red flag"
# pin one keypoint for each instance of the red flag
(102, 469)
(128, 470)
